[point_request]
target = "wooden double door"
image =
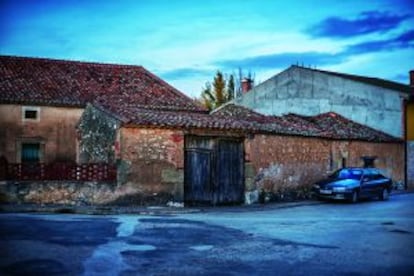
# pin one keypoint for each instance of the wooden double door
(214, 171)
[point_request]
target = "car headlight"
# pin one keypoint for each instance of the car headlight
(339, 189)
(316, 186)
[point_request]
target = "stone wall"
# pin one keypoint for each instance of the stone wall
(292, 164)
(286, 163)
(97, 132)
(70, 193)
(55, 130)
(153, 162)
(390, 157)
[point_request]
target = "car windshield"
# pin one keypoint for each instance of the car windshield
(347, 174)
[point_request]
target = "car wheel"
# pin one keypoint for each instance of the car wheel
(354, 197)
(384, 194)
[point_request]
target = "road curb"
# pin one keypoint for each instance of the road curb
(158, 210)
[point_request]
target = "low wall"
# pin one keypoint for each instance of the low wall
(75, 193)
(285, 168)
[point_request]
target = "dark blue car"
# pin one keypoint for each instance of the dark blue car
(352, 184)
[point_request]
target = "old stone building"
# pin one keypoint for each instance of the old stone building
(41, 101)
(222, 157)
(374, 102)
(164, 146)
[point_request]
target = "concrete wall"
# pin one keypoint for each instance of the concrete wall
(282, 164)
(307, 92)
(55, 130)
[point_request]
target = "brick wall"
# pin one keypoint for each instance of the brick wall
(292, 162)
(390, 157)
(153, 161)
(297, 162)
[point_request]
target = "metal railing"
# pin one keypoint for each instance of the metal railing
(58, 171)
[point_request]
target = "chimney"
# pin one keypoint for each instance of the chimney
(412, 78)
(246, 84)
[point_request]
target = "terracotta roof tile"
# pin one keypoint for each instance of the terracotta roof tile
(237, 118)
(339, 127)
(40, 81)
(138, 116)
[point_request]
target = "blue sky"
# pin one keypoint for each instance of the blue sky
(186, 42)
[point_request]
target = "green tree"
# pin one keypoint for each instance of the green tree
(219, 85)
(207, 97)
(222, 89)
(230, 88)
(219, 92)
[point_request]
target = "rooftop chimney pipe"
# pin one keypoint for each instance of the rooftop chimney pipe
(246, 85)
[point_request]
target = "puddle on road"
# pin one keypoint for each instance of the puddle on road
(143, 247)
(201, 247)
(107, 258)
(126, 226)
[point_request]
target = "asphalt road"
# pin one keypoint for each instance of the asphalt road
(368, 238)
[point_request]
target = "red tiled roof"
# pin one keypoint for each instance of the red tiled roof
(271, 124)
(339, 127)
(138, 116)
(39, 81)
(327, 125)
(237, 118)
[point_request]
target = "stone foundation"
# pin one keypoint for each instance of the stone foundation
(76, 193)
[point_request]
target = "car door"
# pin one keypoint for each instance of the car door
(367, 183)
(380, 183)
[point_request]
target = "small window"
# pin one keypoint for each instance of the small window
(31, 113)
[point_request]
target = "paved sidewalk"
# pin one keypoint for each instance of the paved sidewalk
(156, 210)
(145, 210)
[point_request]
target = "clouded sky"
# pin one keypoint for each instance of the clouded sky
(186, 41)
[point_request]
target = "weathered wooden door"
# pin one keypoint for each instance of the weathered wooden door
(229, 184)
(198, 176)
(213, 171)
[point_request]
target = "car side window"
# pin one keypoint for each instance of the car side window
(376, 174)
(380, 176)
(367, 175)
